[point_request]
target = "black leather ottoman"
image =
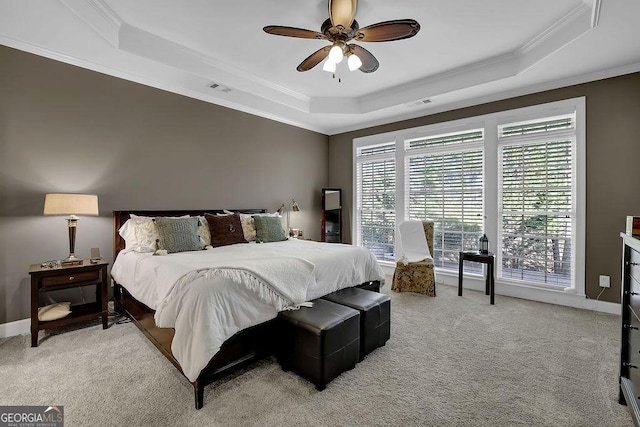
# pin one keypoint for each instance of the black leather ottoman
(375, 315)
(319, 342)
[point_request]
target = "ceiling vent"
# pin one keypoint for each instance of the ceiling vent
(418, 103)
(220, 88)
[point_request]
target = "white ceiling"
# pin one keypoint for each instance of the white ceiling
(467, 51)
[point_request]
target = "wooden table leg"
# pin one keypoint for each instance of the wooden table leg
(34, 313)
(493, 283)
(104, 299)
(487, 281)
(460, 262)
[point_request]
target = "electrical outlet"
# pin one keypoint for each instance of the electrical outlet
(605, 281)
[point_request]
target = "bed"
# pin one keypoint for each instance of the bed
(213, 311)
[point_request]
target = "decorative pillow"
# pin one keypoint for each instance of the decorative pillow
(268, 229)
(178, 234)
(54, 311)
(225, 229)
(128, 233)
(203, 231)
(248, 228)
(145, 232)
(141, 232)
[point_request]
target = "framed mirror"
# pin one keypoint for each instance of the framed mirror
(331, 215)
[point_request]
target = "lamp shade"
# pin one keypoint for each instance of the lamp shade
(329, 66)
(71, 204)
(354, 62)
(336, 54)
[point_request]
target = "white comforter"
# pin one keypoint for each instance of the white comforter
(208, 296)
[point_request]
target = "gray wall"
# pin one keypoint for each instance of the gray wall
(613, 150)
(66, 129)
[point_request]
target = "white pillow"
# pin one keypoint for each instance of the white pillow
(146, 233)
(141, 232)
(54, 311)
(128, 233)
(203, 231)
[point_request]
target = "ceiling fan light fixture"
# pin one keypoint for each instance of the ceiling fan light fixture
(329, 66)
(341, 28)
(354, 62)
(336, 54)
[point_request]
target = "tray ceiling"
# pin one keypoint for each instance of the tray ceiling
(466, 52)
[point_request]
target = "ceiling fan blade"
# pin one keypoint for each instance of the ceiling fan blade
(342, 12)
(369, 62)
(314, 59)
(388, 31)
(293, 32)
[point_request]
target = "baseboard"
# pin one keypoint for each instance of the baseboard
(535, 294)
(19, 327)
(524, 292)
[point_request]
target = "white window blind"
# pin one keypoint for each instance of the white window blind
(537, 202)
(444, 183)
(376, 199)
(518, 176)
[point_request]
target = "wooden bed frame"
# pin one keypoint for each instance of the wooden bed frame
(242, 349)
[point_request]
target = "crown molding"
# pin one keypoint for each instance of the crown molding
(263, 108)
(429, 109)
(595, 15)
(97, 15)
(136, 41)
(254, 95)
(435, 108)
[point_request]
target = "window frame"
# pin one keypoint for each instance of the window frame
(444, 150)
(490, 123)
(358, 160)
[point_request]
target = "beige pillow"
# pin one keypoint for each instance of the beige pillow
(54, 311)
(203, 231)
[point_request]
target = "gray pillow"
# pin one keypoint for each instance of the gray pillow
(178, 234)
(268, 229)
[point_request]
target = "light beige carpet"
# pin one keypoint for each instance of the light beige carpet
(451, 361)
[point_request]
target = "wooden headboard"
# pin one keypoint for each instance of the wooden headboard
(120, 217)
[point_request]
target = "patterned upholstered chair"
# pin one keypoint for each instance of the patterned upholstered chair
(417, 276)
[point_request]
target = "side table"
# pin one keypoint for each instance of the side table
(488, 259)
(52, 279)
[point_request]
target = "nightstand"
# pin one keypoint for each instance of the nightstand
(54, 279)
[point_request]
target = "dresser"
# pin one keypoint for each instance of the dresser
(630, 325)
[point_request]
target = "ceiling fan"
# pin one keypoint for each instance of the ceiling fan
(341, 28)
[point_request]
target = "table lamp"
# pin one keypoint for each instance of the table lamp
(293, 207)
(73, 205)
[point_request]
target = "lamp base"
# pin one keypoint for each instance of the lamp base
(71, 260)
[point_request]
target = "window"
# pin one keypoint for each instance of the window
(376, 199)
(517, 176)
(537, 212)
(444, 182)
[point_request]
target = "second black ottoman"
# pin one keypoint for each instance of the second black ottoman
(375, 315)
(319, 342)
